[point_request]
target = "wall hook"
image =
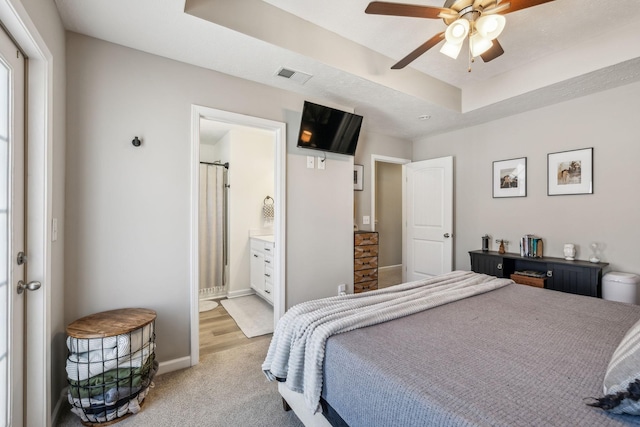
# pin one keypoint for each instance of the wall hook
(136, 142)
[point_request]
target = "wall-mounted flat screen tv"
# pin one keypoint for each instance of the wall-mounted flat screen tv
(327, 129)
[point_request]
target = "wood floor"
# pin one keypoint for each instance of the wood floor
(218, 331)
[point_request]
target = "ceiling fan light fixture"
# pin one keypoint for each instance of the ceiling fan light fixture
(457, 31)
(479, 44)
(452, 50)
(490, 26)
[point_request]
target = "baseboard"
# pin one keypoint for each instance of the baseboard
(240, 293)
(174, 365)
(60, 404)
(390, 267)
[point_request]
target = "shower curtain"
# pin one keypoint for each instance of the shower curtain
(212, 232)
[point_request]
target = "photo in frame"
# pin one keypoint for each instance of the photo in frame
(358, 171)
(570, 172)
(510, 178)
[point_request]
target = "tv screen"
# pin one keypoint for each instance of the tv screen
(328, 129)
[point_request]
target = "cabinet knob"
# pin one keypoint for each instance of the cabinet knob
(549, 273)
(499, 266)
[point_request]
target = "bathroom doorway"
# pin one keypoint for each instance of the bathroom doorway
(238, 139)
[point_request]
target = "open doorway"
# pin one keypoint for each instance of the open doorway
(386, 211)
(242, 137)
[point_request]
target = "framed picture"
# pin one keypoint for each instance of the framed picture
(570, 172)
(358, 170)
(510, 178)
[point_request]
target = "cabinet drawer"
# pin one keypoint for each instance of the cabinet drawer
(365, 286)
(365, 263)
(538, 282)
(366, 251)
(366, 239)
(365, 275)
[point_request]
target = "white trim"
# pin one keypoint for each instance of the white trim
(39, 119)
(389, 267)
(174, 365)
(60, 404)
(279, 132)
(241, 293)
(384, 159)
(400, 161)
(298, 405)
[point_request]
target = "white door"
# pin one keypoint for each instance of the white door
(428, 218)
(12, 214)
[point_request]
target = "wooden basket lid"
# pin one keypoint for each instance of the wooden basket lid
(111, 323)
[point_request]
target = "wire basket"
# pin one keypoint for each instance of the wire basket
(109, 376)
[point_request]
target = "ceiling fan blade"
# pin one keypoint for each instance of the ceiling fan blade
(493, 52)
(497, 9)
(524, 4)
(448, 15)
(419, 51)
(400, 9)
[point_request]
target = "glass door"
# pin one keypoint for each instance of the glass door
(12, 217)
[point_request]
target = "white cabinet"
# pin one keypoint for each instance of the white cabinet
(262, 267)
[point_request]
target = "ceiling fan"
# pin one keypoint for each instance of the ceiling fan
(479, 21)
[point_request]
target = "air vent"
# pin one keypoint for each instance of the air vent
(296, 76)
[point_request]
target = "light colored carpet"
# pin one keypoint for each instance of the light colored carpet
(227, 389)
(389, 276)
(253, 315)
(206, 305)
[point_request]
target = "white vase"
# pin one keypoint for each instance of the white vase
(569, 251)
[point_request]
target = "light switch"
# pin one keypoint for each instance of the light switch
(310, 162)
(366, 220)
(54, 229)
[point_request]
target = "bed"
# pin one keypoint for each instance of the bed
(511, 355)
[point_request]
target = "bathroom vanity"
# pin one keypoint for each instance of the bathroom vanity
(262, 250)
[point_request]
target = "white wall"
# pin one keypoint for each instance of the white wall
(251, 176)
(606, 121)
(128, 208)
(375, 144)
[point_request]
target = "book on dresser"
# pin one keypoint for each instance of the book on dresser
(365, 261)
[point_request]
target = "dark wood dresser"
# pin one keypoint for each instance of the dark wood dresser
(365, 263)
(576, 277)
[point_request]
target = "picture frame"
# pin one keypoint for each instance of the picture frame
(358, 171)
(510, 178)
(570, 172)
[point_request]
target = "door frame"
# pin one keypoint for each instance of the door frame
(375, 158)
(199, 112)
(39, 132)
(383, 159)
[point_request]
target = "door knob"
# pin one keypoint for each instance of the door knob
(31, 286)
(446, 235)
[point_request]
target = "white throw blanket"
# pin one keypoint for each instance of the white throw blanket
(296, 352)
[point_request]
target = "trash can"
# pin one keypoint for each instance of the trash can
(621, 287)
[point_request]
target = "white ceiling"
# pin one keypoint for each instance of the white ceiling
(553, 52)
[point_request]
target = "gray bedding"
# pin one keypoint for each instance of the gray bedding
(515, 356)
